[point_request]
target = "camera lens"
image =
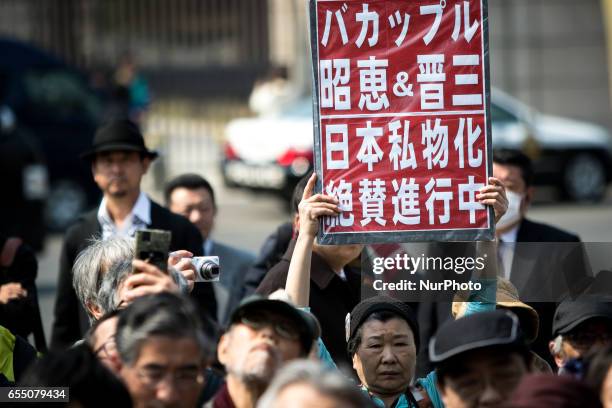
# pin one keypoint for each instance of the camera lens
(208, 270)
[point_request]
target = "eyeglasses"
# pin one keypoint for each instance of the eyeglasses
(107, 348)
(182, 377)
(282, 327)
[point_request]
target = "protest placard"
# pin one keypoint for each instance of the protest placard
(401, 118)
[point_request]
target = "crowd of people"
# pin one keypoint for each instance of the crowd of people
(290, 327)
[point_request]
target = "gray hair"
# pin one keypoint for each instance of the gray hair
(324, 380)
(94, 261)
(108, 294)
(163, 314)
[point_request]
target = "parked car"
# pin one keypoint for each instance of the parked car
(272, 152)
(53, 102)
(573, 155)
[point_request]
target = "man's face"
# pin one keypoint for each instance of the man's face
(302, 395)
(485, 380)
(519, 195)
(195, 205)
(167, 373)
(104, 346)
(591, 334)
(511, 176)
(386, 357)
(118, 173)
(255, 348)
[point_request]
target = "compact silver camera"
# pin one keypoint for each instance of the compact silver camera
(207, 268)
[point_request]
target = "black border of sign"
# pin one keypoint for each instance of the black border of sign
(483, 234)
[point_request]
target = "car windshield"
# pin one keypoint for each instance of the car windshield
(500, 115)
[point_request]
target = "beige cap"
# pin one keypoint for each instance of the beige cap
(507, 298)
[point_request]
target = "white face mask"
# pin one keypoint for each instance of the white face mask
(513, 213)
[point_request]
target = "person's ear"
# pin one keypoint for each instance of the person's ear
(529, 193)
(94, 310)
(146, 162)
(223, 349)
(295, 222)
(356, 362)
(558, 357)
(93, 168)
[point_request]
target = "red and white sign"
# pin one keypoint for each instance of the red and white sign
(402, 134)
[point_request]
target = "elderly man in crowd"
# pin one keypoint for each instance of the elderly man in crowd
(480, 359)
(163, 351)
(580, 326)
(263, 335)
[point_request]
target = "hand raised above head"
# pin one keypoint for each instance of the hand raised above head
(314, 206)
(148, 280)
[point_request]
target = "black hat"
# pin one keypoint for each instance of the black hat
(307, 323)
(571, 313)
(495, 328)
(119, 135)
(380, 303)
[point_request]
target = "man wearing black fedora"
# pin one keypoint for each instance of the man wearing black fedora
(119, 159)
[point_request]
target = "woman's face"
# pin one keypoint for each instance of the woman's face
(386, 358)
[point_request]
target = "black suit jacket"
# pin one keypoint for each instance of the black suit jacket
(547, 262)
(71, 320)
(530, 231)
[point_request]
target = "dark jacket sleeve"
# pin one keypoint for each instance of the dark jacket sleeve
(270, 254)
(275, 279)
(66, 327)
(19, 315)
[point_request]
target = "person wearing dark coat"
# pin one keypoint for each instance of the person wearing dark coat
(18, 303)
(119, 160)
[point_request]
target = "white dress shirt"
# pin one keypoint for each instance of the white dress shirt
(139, 218)
(505, 251)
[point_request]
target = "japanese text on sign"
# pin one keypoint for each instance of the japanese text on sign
(402, 119)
